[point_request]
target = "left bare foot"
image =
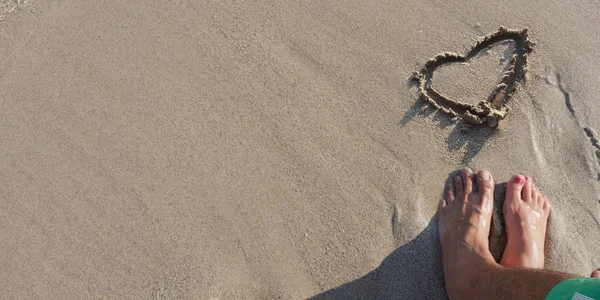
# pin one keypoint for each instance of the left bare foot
(526, 213)
(464, 219)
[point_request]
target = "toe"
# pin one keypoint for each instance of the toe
(527, 191)
(467, 177)
(535, 195)
(485, 184)
(450, 193)
(596, 273)
(539, 199)
(546, 206)
(459, 190)
(441, 204)
(514, 189)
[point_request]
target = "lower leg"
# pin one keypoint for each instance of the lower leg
(498, 282)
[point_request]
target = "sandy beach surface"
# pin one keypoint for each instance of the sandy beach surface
(247, 149)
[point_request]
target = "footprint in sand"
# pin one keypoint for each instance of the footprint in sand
(489, 111)
(589, 131)
(593, 136)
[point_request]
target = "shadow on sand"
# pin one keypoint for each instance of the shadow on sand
(414, 271)
(463, 135)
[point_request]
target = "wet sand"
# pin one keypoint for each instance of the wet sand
(275, 149)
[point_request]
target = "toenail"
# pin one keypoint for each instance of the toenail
(485, 175)
(519, 179)
(527, 178)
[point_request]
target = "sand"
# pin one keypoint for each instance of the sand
(274, 149)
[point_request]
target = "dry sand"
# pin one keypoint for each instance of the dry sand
(273, 149)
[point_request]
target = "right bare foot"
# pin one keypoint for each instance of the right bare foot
(464, 219)
(526, 213)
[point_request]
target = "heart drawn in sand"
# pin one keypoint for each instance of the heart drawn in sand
(489, 111)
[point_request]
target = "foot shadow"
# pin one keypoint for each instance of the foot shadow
(414, 271)
(473, 139)
(470, 137)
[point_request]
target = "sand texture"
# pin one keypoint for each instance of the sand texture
(246, 149)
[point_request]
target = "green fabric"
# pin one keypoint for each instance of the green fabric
(576, 289)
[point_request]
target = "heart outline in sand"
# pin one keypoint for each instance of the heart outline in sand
(489, 111)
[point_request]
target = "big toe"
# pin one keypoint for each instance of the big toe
(596, 273)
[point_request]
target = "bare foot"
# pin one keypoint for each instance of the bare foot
(596, 273)
(463, 225)
(526, 213)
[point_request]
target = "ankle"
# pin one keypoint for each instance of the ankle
(475, 277)
(485, 278)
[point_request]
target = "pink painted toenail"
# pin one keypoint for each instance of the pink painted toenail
(519, 179)
(527, 178)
